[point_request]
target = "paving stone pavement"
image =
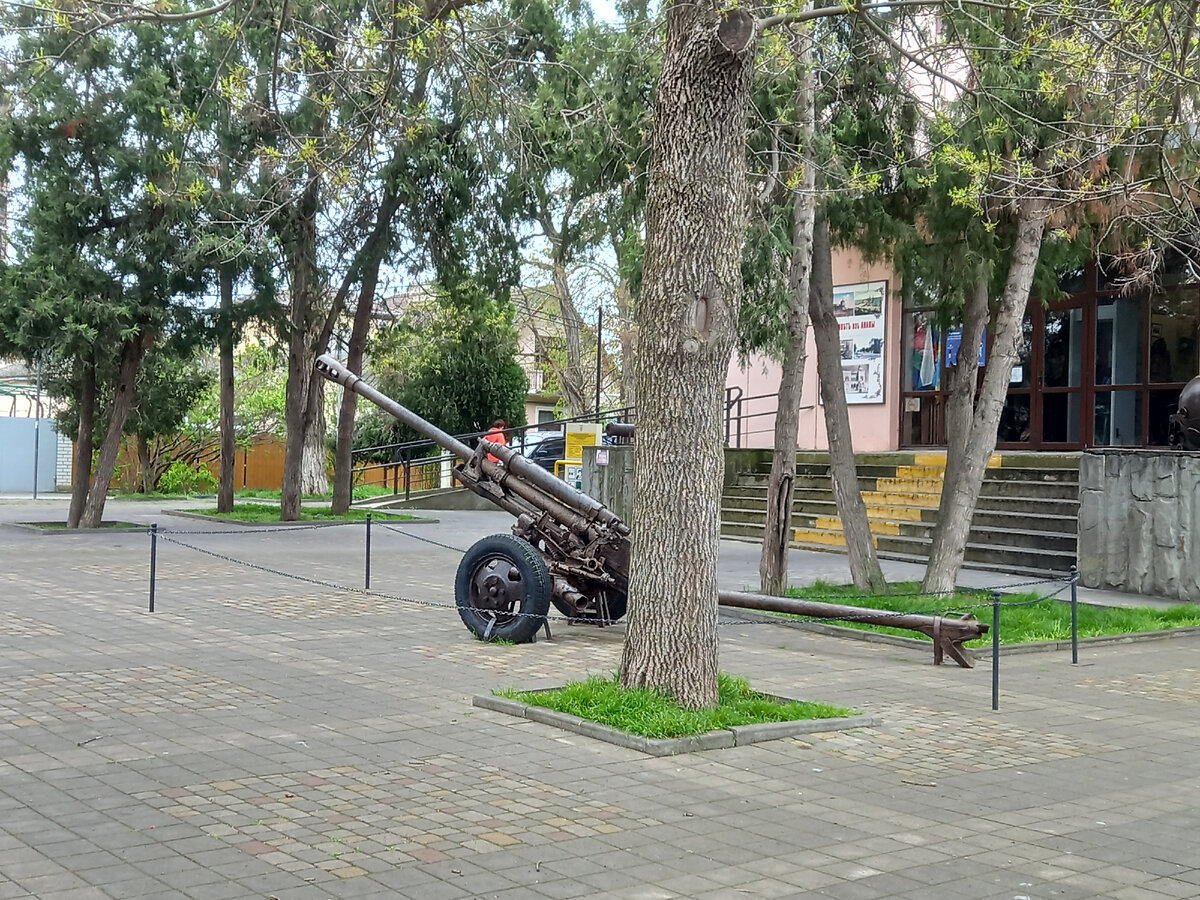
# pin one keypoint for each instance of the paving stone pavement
(263, 737)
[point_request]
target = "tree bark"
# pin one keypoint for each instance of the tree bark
(225, 420)
(343, 462)
(570, 374)
(146, 464)
(695, 220)
(964, 481)
(81, 478)
(304, 286)
(314, 469)
(864, 563)
(777, 536)
(131, 361)
(373, 252)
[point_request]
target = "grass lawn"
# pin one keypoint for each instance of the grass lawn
(654, 715)
(1033, 620)
(262, 512)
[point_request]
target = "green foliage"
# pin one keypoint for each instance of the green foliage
(167, 388)
(451, 361)
(181, 478)
(655, 715)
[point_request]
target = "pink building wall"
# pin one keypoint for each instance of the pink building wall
(875, 426)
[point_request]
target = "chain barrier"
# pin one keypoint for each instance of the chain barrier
(727, 620)
(425, 540)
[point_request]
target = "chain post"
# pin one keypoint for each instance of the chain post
(367, 577)
(995, 650)
(1074, 616)
(153, 560)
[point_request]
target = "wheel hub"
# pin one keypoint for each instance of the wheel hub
(497, 586)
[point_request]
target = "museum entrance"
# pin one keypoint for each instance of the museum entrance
(1100, 369)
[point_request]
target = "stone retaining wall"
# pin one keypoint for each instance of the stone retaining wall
(1139, 522)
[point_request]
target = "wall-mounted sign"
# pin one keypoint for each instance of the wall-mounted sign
(861, 311)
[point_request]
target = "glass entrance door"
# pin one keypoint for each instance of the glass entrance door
(1060, 413)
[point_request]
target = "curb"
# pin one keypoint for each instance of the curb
(56, 532)
(983, 651)
(736, 736)
(184, 514)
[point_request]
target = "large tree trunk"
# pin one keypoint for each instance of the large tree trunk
(304, 285)
(81, 478)
(777, 537)
(314, 470)
(131, 361)
(695, 219)
(226, 423)
(960, 491)
(864, 563)
(570, 372)
(146, 464)
(343, 462)
(373, 252)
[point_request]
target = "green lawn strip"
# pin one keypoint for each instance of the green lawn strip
(361, 492)
(655, 715)
(262, 512)
(1045, 620)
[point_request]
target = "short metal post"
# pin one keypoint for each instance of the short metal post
(1074, 616)
(153, 560)
(367, 578)
(995, 650)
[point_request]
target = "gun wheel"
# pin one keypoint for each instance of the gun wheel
(502, 589)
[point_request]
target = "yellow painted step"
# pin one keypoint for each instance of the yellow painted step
(910, 485)
(834, 523)
(903, 513)
(939, 459)
(825, 538)
(933, 472)
(922, 499)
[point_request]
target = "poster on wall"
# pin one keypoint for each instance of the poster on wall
(861, 316)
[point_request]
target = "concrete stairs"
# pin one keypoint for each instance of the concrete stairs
(1025, 521)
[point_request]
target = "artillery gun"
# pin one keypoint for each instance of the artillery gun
(570, 550)
(565, 549)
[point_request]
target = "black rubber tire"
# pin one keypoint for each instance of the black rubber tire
(522, 589)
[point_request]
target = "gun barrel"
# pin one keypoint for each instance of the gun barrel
(333, 370)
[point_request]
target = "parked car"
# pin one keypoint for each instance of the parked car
(547, 451)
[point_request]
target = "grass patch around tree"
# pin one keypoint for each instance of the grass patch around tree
(655, 715)
(262, 512)
(62, 526)
(1024, 618)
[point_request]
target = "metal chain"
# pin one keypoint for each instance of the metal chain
(425, 540)
(432, 605)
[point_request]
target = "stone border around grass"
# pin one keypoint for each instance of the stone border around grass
(184, 514)
(983, 651)
(736, 736)
(40, 528)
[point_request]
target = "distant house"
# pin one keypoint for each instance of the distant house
(21, 430)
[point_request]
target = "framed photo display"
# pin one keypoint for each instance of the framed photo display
(861, 311)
